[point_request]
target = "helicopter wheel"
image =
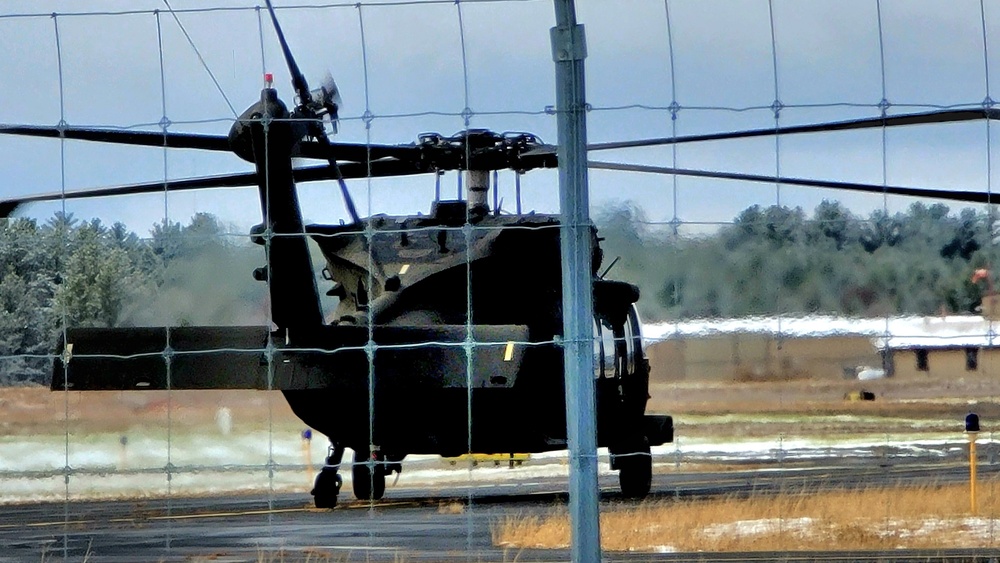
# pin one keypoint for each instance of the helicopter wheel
(327, 488)
(635, 473)
(368, 478)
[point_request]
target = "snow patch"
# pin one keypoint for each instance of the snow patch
(742, 528)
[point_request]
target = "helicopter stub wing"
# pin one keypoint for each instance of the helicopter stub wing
(159, 358)
(253, 357)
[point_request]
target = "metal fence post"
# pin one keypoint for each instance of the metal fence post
(569, 51)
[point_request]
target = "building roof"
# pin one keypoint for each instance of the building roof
(953, 331)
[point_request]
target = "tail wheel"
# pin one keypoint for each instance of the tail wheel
(635, 473)
(367, 478)
(327, 488)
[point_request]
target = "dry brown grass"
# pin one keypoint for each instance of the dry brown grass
(308, 555)
(36, 410)
(941, 404)
(451, 508)
(911, 517)
(894, 397)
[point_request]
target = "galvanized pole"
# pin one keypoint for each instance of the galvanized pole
(569, 50)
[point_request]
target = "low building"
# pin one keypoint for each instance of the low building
(777, 348)
(942, 347)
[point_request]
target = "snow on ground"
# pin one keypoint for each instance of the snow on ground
(966, 530)
(32, 467)
(893, 332)
(147, 449)
(803, 527)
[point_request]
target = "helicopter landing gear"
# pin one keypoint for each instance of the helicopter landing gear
(368, 476)
(328, 482)
(635, 472)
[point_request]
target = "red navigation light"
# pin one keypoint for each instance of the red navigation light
(268, 79)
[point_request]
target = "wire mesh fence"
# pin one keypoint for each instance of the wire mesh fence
(795, 229)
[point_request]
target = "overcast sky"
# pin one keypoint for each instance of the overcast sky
(714, 54)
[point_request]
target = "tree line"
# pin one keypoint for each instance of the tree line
(68, 272)
(779, 260)
(767, 261)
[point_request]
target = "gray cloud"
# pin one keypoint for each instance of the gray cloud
(827, 53)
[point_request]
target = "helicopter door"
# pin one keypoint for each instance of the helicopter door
(607, 364)
(633, 340)
(619, 365)
(615, 348)
(635, 387)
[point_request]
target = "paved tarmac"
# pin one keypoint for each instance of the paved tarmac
(450, 523)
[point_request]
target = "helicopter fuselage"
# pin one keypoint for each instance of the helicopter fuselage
(462, 322)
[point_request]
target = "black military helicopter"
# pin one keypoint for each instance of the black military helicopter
(438, 338)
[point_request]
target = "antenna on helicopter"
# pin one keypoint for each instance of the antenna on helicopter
(327, 98)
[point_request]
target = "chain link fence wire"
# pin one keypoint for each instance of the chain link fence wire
(809, 341)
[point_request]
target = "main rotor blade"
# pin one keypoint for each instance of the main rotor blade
(348, 171)
(356, 152)
(222, 181)
(942, 116)
(355, 170)
(298, 80)
(952, 195)
(123, 137)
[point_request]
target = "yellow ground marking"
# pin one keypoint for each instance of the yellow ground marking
(483, 458)
(379, 505)
(212, 515)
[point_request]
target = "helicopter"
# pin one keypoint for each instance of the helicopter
(438, 345)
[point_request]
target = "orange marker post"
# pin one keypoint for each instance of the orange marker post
(972, 472)
(972, 432)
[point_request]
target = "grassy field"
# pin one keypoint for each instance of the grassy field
(817, 408)
(894, 396)
(917, 517)
(931, 516)
(36, 410)
(942, 405)
(867, 519)
(705, 412)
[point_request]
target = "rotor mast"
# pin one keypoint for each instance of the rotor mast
(289, 272)
(478, 182)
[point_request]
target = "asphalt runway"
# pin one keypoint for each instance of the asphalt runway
(450, 523)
